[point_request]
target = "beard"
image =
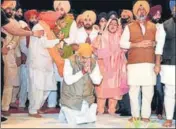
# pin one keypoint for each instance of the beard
(32, 24)
(9, 15)
(124, 21)
(18, 18)
(141, 17)
(88, 27)
(157, 21)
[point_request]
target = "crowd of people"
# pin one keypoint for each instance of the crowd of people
(99, 63)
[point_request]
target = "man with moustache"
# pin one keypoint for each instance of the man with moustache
(124, 104)
(140, 37)
(167, 67)
(11, 75)
(18, 14)
(31, 17)
(24, 45)
(40, 63)
(81, 71)
(67, 36)
(88, 33)
(126, 17)
(158, 98)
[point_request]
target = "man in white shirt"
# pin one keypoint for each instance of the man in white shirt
(41, 67)
(158, 98)
(139, 37)
(88, 33)
(167, 50)
(31, 17)
(81, 71)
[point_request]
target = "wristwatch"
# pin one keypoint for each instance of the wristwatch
(99, 33)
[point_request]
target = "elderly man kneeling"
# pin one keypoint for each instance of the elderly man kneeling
(81, 72)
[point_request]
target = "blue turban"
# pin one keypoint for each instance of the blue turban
(172, 4)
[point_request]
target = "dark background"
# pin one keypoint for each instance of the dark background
(97, 5)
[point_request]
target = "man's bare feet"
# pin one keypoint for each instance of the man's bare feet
(48, 110)
(167, 123)
(35, 115)
(132, 119)
(41, 111)
(146, 119)
(160, 117)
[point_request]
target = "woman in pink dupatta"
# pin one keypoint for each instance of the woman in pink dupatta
(112, 63)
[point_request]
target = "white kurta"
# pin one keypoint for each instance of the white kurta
(24, 76)
(87, 113)
(142, 73)
(41, 70)
(82, 35)
(168, 78)
(40, 61)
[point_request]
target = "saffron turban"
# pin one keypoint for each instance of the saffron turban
(140, 3)
(127, 12)
(49, 17)
(154, 10)
(102, 15)
(9, 3)
(90, 14)
(28, 14)
(85, 50)
(65, 4)
(172, 4)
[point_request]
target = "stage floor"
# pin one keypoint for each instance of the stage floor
(51, 121)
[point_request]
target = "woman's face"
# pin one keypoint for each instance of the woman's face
(113, 26)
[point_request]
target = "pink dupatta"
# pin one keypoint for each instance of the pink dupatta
(113, 59)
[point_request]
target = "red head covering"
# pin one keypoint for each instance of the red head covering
(49, 17)
(154, 10)
(28, 14)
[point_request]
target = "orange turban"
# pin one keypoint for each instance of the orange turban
(128, 13)
(49, 17)
(9, 3)
(140, 3)
(91, 14)
(85, 50)
(28, 14)
(65, 4)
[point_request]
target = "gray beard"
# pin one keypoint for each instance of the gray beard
(141, 18)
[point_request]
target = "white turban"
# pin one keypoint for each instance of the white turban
(65, 4)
